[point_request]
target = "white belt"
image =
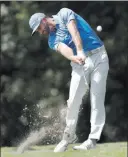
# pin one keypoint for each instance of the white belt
(89, 53)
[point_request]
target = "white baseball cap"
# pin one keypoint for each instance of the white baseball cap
(35, 20)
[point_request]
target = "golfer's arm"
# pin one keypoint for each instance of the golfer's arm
(75, 35)
(66, 51)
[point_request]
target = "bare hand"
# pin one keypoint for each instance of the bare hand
(78, 59)
(83, 57)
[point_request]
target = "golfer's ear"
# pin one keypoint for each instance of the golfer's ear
(44, 20)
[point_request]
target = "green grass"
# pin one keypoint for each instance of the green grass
(102, 150)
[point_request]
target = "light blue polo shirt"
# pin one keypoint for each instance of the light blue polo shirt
(89, 38)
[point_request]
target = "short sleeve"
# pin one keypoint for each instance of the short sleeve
(53, 46)
(67, 15)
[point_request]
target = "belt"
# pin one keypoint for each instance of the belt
(90, 53)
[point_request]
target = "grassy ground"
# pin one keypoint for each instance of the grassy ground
(102, 150)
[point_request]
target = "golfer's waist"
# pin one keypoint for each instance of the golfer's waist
(94, 51)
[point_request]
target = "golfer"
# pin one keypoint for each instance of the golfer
(71, 36)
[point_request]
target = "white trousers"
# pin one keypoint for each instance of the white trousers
(91, 76)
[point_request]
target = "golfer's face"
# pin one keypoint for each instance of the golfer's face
(43, 29)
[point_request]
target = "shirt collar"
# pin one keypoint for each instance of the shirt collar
(56, 19)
